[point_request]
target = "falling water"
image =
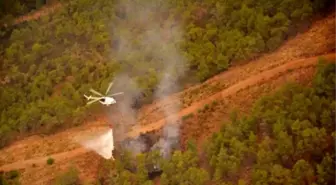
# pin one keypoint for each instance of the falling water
(101, 144)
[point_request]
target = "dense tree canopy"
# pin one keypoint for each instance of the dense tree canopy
(287, 139)
(47, 64)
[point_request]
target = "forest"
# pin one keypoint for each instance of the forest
(48, 64)
(288, 138)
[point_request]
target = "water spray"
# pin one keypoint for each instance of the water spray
(102, 144)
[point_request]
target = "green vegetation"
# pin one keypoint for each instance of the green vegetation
(185, 117)
(70, 177)
(287, 139)
(9, 178)
(50, 161)
(46, 65)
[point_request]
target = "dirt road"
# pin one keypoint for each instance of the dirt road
(30, 154)
(318, 40)
(42, 160)
(252, 81)
(47, 9)
(261, 78)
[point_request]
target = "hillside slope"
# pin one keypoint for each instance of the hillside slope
(34, 150)
(265, 77)
(41, 92)
(316, 41)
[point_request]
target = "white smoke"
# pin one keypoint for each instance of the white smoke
(169, 141)
(158, 42)
(135, 145)
(145, 40)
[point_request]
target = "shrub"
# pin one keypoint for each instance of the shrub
(50, 161)
(70, 177)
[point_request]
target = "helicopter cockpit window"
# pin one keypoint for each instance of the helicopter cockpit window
(102, 100)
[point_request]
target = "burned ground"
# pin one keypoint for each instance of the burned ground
(164, 141)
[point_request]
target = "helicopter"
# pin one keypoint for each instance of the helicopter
(106, 99)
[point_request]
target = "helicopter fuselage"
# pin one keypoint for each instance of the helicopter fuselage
(107, 101)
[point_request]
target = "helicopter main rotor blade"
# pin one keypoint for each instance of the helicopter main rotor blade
(92, 101)
(115, 94)
(109, 87)
(95, 98)
(96, 92)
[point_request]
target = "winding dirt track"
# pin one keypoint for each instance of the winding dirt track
(252, 81)
(47, 9)
(30, 155)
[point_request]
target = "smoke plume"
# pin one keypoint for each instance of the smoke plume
(145, 42)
